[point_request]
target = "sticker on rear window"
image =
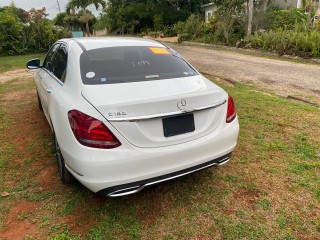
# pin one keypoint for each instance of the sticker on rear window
(152, 76)
(103, 79)
(159, 51)
(90, 74)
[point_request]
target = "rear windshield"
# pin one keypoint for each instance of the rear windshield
(131, 64)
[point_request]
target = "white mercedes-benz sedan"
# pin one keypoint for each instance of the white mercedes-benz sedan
(127, 113)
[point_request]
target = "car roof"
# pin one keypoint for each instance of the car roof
(89, 43)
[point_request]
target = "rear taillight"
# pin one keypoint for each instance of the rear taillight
(231, 112)
(90, 131)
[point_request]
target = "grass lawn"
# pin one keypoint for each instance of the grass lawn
(13, 62)
(269, 190)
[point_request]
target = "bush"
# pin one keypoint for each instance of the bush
(179, 28)
(152, 34)
(41, 35)
(184, 37)
(169, 31)
(287, 19)
(190, 29)
(294, 42)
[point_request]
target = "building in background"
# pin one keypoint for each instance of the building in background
(209, 10)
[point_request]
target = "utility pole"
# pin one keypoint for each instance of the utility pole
(59, 6)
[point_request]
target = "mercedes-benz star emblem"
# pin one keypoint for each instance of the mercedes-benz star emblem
(182, 104)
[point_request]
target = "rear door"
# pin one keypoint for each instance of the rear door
(44, 78)
(53, 74)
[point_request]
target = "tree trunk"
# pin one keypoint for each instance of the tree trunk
(226, 34)
(265, 5)
(316, 20)
(250, 17)
(87, 28)
(309, 17)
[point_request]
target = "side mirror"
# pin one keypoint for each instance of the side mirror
(33, 63)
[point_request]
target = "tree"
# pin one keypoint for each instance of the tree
(11, 29)
(35, 34)
(19, 12)
(250, 17)
(60, 20)
(86, 17)
(36, 15)
(83, 4)
(141, 15)
(73, 21)
(40, 33)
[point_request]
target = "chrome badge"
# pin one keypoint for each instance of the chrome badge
(116, 114)
(182, 104)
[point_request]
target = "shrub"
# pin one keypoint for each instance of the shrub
(287, 19)
(190, 29)
(155, 34)
(294, 42)
(179, 27)
(184, 37)
(169, 31)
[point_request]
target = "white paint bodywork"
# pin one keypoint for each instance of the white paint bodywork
(144, 152)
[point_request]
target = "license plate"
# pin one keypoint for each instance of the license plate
(176, 125)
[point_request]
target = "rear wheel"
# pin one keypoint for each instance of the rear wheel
(65, 175)
(39, 102)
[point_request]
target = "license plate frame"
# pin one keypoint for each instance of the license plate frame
(177, 125)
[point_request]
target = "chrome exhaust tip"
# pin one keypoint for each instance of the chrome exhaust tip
(126, 189)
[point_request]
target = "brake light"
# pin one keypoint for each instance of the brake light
(90, 131)
(231, 112)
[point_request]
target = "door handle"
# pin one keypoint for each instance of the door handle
(49, 89)
(41, 77)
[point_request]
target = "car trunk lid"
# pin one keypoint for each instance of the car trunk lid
(137, 109)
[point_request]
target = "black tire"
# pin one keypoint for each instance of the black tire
(39, 102)
(64, 174)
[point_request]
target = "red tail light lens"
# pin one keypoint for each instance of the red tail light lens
(231, 112)
(90, 131)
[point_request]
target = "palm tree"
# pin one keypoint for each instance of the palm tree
(83, 4)
(85, 18)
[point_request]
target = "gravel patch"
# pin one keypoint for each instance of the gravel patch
(285, 78)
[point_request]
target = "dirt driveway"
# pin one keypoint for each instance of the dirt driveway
(285, 78)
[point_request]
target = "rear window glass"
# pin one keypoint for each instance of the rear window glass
(131, 64)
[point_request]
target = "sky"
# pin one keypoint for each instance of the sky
(51, 6)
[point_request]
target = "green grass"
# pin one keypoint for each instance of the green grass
(13, 62)
(269, 190)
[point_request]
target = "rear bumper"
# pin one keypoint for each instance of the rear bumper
(134, 187)
(111, 170)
